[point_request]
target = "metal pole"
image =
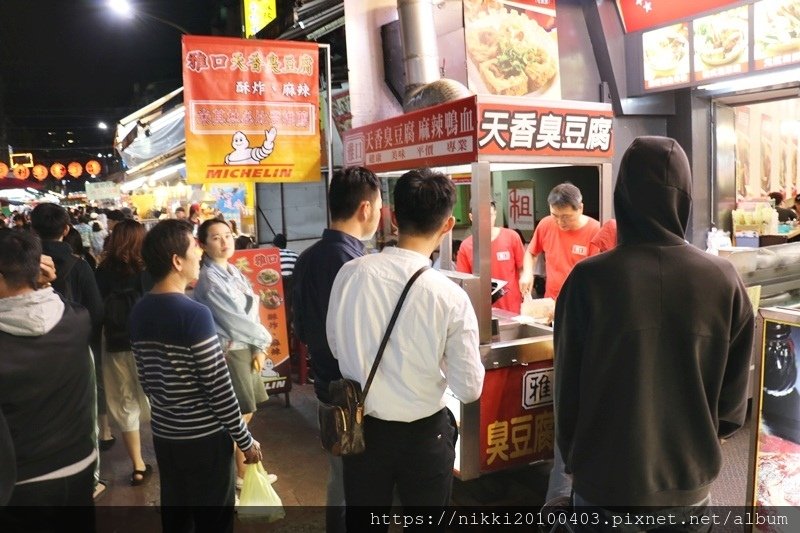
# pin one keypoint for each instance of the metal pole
(329, 128)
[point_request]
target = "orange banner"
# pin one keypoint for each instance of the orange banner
(252, 110)
(262, 268)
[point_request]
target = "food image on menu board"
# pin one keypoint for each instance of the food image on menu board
(666, 56)
(721, 41)
(509, 52)
(776, 32)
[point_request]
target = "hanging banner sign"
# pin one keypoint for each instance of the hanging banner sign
(262, 268)
(435, 136)
(505, 127)
(251, 110)
(102, 190)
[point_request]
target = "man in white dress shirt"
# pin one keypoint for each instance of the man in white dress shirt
(434, 345)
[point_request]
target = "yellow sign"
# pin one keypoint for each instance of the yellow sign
(257, 14)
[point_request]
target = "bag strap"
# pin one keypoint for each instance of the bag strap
(389, 331)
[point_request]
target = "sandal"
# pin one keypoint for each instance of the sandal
(106, 444)
(146, 473)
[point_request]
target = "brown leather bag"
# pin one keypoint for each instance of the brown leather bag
(341, 421)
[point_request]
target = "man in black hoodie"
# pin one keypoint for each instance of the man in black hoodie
(652, 350)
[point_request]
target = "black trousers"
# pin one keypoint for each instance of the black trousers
(55, 505)
(197, 483)
(416, 457)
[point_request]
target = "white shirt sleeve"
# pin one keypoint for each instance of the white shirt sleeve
(462, 359)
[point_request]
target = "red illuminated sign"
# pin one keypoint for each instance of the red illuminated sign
(642, 14)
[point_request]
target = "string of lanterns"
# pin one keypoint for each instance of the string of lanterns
(57, 170)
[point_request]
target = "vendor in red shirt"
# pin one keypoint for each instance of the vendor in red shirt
(564, 237)
(507, 255)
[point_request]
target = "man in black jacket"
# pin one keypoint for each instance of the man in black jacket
(652, 344)
(75, 281)
(46, 398)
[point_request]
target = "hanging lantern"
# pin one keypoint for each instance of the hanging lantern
(21, 172)
(3, 170)
(93, 167)
(75, 169)
(40, 172)
(58, 170)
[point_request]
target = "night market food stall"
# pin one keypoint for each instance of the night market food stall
(512, 423)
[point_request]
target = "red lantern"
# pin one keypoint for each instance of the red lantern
(3, 170)
(75, 169)
(58, 170)
(21, 172)
(93, 167)
(40, 172)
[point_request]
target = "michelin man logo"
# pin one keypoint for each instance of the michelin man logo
(244, 154)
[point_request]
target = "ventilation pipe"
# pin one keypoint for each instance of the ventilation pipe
(425, 86)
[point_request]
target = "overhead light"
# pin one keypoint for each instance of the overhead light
(70, 141)
(753, 82)
(123, 7)
(102, 125)
(99, 154)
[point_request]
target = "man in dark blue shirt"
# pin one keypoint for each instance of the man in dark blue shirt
(354, 199)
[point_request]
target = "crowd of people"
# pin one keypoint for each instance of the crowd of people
(635, 305)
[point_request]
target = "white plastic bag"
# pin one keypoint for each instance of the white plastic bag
(258, 501)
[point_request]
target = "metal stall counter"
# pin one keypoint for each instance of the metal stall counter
(483, 137)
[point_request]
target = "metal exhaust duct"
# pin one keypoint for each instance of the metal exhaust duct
(424, 84)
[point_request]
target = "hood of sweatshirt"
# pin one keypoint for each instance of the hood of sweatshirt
(653, 195)
(32, 314)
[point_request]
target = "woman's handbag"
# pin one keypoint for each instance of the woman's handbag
(258, 501)
(341, 421)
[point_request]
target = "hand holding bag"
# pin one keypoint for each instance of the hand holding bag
(258, 501)
(341, 421)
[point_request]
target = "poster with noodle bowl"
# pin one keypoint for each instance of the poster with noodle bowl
(512, 47)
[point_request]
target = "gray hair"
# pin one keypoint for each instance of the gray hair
(565, 194)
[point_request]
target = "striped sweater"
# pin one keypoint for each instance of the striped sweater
(182, 370)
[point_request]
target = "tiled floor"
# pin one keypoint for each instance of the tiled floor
(290, 444)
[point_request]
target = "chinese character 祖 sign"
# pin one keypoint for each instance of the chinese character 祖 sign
(262, 268)
(520, 206)
(251, 110)
(516, 432)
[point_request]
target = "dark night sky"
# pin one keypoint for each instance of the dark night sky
(66, 64)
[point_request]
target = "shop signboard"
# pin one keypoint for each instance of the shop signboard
(102, 190)
(251, 110)
(776, 33)
(776, 473)
(515, 127)
(730, 43)
(262, 268)
(257, 14)
(721, 45)
(435, 136)
(643, 14)
(512, 49)
(463, 130)
(516, 416)
(666, 56)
